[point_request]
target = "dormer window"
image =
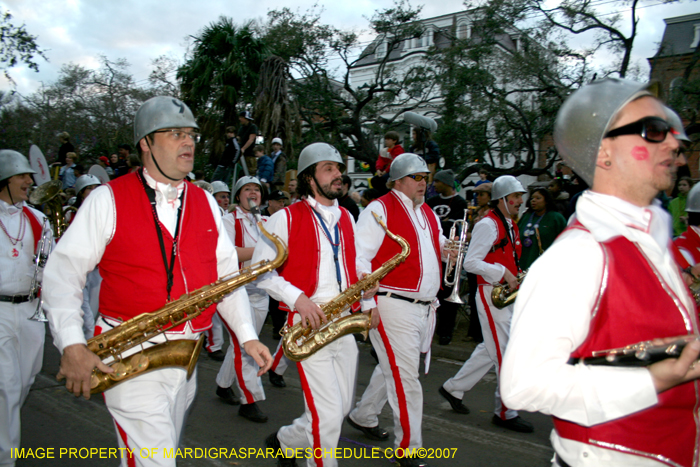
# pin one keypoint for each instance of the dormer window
(463, 31)
(696, 39)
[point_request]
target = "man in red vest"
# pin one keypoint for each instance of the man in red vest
(321, 264)
(609, 281)
(242, 228)
(493, 255)
(21, 339)
(689, 242)
(154, 237)
(406, 304)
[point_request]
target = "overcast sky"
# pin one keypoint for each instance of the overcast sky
(79, 31)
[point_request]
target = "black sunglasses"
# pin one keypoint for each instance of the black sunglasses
(418, 178)
(652, 129)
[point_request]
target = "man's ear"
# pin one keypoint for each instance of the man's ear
(604, 159)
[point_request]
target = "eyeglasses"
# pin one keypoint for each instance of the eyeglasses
(418, 177)
(652, 129)
(179, 135)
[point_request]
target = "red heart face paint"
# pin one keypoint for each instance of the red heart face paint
(511, 202)
(640, 153)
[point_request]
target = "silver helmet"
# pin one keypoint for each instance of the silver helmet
(218, 186)
(692, 204)
(243, 181)
(319, 152)
(85, 181)
(407, 164)
(675, 121)
(584, 118)
(162, 112)
(13, 163)
(505, 185)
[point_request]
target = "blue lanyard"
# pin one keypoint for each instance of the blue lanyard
(335, 246)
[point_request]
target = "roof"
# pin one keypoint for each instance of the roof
(680, 36)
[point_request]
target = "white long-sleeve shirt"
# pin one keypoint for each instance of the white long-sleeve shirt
(552, 318)
(485, 233)
(370, 237)
(251, 236)
(84, 243)
(278, 287)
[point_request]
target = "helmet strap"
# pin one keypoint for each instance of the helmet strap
(153, 156)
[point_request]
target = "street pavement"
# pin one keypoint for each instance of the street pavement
(53, 418)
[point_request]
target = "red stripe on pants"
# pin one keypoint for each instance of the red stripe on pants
(492, 327)
(315, 431)
(131, 462)
(400, 393)
(238, 364)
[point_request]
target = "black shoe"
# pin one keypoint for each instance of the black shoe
(252, 413)
(515, 424)
(375, 432)
(276, 380)
(272, 442)
(217, 355)
(445, 340)
(410, 462)
(456, 404)
(227, 395)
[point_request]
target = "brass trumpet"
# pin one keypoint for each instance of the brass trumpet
(456, 264)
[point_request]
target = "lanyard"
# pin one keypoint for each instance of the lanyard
(151, 193)
(335, 246)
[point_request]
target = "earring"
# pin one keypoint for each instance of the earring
(608, 163)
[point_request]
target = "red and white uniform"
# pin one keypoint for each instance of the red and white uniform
(238, 366)
(689, 245)
(21, 340)
(115, 229)
(490, 252)
(328, 376)
(577, 298)
(406, 329)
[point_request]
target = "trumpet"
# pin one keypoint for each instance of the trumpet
(43, 248)
(456, 264)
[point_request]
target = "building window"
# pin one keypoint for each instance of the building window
(381, 49)
(696, 39)
(463, 31)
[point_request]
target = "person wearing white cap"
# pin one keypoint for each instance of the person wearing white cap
(242, 228)
(320, 265)
(279, 160)
(155, 238)
(406, 303)
(609, 281)
(21, 339)
(493, 255)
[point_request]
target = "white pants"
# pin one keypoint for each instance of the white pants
(397, 342)
(21, 355)
(149, 412)
(215, 334)
(495, 326)
(328, 381)
(238, 366)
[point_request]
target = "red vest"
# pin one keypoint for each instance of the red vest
(408, 275)
(303, 262)
(630, 311)
(690, 242)
(502, 250)
(36, 225)
(133, 274)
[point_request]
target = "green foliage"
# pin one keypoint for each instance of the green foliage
(17, 46)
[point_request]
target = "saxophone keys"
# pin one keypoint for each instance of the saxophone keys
(121, 371)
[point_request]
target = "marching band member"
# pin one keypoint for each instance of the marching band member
(21, 339)
(321, 264)
(578, 297)
(155, 237)
(242, 228)
(222, 195)
(493, 255)
(689, 242)
(406, 302)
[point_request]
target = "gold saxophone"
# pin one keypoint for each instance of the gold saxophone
(502, 296)
(300, 343)
(183, 352)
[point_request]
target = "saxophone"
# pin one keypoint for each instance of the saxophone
(183, 352)
(300, 343)
(502, 296)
